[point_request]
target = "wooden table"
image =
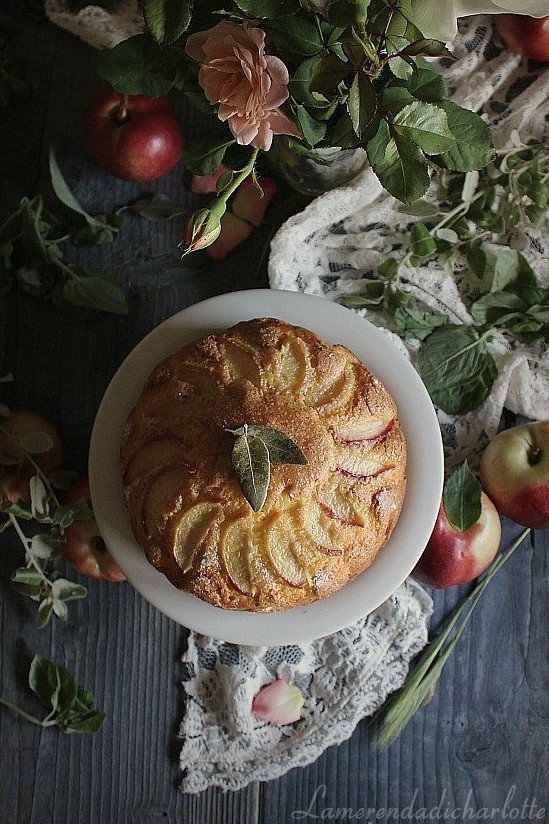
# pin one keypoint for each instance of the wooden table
(481, 744)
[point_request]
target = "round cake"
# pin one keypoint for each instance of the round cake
(263, 468)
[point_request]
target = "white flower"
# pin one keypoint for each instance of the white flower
(438, 18)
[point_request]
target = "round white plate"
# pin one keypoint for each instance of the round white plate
(336, 324)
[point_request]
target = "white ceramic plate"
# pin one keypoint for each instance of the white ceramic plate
(336, 324)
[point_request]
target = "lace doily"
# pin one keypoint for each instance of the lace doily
(341, 237)
(344, 677)
(97, 26)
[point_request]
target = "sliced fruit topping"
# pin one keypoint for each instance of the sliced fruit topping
(339, 393)
(161, 497)
(285, 561)
(286, 557)
(354, 462)
(292, 366)
(323, 529)
(369, 431)
(162, 452)
(339, 505)
(193, 527)
(241, 362)
(236, 549)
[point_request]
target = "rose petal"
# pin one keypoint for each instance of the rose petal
(278, 703)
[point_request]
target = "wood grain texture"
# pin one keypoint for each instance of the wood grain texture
(484, 735)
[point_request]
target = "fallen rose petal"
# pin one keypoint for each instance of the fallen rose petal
(278, 703)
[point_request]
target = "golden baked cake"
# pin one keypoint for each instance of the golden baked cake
(323, 521)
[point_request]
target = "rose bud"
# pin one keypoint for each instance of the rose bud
(203, 227)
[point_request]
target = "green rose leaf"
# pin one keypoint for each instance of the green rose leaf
(473, 147)
(371, 297)
(456, 368)
(362, 104)
(425, 125)
(124, 66)
(167, 20)
(312, 130)
(203, 157)
(399, 165)
(297, 34)
(270, 9)
(462, 498)
(427, 85)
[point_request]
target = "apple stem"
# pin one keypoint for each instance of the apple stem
(534, 455)
(121, 114)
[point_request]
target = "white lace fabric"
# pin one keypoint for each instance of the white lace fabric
(344, 677)
(339, 240)
(95, 25)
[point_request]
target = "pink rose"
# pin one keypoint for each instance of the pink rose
(248, 84)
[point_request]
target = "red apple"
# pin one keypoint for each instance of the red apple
(17, 470)
(526, 35)
(133, 136)
(514, 472)
(456, 557)
(84, 547)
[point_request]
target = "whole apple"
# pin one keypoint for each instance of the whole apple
(455, 557)
(133, 137)
(514, 471)
(526, 35)
(84, 547)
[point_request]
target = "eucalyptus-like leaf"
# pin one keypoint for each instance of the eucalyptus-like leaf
(40, 501)
(36, 442)
(282, 449)
(43, 546)
(65, 590)
(250, 459)
(66, 197)
(155, 206)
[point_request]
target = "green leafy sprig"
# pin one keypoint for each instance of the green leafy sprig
(421, 683)
(31, 256)
(69, 706)
(36, 580)
(255, 449)
(493, 205)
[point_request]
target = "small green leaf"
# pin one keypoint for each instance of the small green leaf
(423, 243)
(461, 498)
(154, 206)
(399, 165)
(203, 157)
(66, 590)
(296, 34)
(36, 442)
(124, 66)
(473, 147)
(66, 196)
(250, 458)
(167, 20)
(362, 104)
(371, 297)
(426, 126)
(45, 681)
(40, 501)
(29, 577)
(456, 368)
(416, 323)
(43, 546)
(93, 291)
(312, 130)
